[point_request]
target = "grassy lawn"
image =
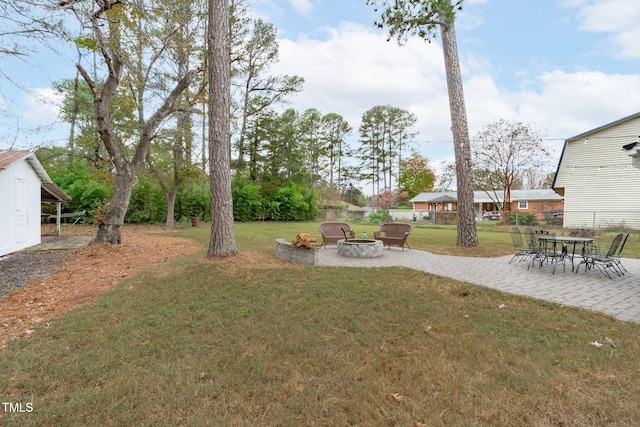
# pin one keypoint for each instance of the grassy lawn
(255, 341)
(494, 240)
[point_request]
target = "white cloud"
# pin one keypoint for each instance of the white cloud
(619, 18)
(42, 106)
(355, 69)
(572, 103)
(31, 119)
(470, 21)
(560, 104)
(303, 7)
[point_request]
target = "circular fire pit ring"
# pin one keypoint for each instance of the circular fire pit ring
(360, 248)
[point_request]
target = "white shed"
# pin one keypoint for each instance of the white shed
(24, 186)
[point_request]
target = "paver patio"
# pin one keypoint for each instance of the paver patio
(618, 297)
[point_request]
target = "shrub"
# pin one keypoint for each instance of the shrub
(147, 203)
(193, 200)
(247, 201)
(523, 218)
(87, 186)
(293, 203)
(380, 217)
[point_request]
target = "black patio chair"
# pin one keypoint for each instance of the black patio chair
(546, 249)
(522, 251)
(604, 262)
(617, 258)
(530, 236)
(554, 252)
(535, 248)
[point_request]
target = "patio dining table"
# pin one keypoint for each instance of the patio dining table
(568, 240)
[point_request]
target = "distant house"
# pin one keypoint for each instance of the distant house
(24, 186)
(435, 201)
(540, 202)
(537, 202)
(597, 178)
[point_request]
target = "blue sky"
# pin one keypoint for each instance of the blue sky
(564, 67)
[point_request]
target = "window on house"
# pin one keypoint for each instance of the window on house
(523, 205)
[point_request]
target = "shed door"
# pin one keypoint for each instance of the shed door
(22, 218)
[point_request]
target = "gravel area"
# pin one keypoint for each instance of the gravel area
(16, 269)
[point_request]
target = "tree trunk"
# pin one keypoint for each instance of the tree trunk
(467, 235)
(171, 207)
(110, 230)
(243, 129)
(506, 207)
(222, 242)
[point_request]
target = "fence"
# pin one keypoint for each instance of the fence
(602, 219)
(401, 215)
(337, 214)
(425, 217)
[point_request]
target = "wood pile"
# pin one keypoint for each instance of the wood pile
(306, 240)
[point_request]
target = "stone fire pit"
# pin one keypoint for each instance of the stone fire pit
(360, 248)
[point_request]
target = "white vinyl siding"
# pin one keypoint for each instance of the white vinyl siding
(599, 181)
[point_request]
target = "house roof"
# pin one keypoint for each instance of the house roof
(445, 198)
(436, 197)
(586, 134)
(600, 128)
(483, 197)
(531, 195)
(50, 192)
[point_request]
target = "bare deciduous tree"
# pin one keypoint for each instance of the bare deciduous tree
(504, 153)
